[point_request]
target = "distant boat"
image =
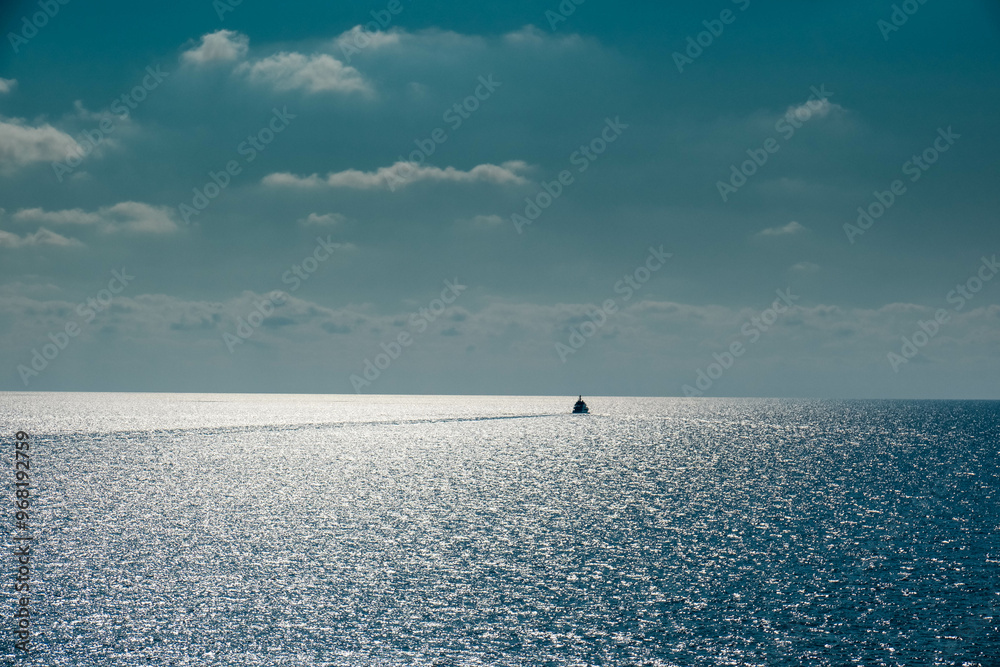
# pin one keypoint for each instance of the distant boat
(580, 408)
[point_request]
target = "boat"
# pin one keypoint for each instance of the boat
(580, 408)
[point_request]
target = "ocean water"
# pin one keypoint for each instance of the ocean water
(358, 530)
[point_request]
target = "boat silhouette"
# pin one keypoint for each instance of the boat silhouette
(580, 408)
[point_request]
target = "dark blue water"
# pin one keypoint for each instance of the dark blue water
(335, 530)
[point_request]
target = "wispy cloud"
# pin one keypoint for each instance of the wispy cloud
(22, 144)
(529, 34)
(325, 220)
(314, 74)
(219, 46)
(7, 85)
(39, 238)
(357, 37)
(483, 221)
(402, 174)
(282, 71)
(532, 35)
(812, 109)
(804, 267)
(128, 216)
(791, 228)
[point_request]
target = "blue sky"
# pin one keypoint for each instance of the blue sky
(330, 172)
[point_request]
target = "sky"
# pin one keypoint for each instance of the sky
(726, 198)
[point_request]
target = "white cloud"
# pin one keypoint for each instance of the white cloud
(7, 85)
(282, 71)
(219, 46)
(648, 340)
(323, 220)
(483, 221)
(791, 228)
(805, 267)
(532, 35)
(285, 179)
(405, 173)
(82, 113)
(434, 41)
(73, 216)
(329, 69)
(314, 74)
(852, 335)
(357, 38)
(39, 238)
(22, 144)
(811, 109)
(529, 34)
(127, 216)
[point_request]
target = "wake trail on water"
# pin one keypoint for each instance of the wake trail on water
(235, 428)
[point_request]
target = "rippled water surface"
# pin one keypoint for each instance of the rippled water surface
(342, 530)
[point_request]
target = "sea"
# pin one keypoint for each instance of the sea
(224, 529)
